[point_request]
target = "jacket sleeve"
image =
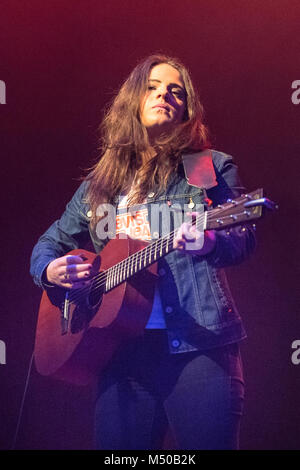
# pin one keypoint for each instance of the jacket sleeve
(235, 244)
(68, 233)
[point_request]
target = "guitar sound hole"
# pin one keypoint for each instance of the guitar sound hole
(80, 318)
(95, 295)
(86, 308)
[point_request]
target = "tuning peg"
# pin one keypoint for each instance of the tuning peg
(232, 201)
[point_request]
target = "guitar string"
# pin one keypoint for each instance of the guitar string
(101, 278)
(128, 262)
(77, 295)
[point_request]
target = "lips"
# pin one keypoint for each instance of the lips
(163, 106)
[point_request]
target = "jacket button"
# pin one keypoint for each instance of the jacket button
(175, 343)
(161, 271)
(89, 214)
(169, 309)
(150, 194)
(191, 204)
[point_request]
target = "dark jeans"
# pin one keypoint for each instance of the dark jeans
(145, 389)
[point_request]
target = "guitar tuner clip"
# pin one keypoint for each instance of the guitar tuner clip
(263, 201)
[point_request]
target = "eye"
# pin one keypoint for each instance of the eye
(178, 93)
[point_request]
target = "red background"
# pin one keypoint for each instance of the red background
(61, 62)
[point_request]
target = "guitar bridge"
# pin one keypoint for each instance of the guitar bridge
(65, 314)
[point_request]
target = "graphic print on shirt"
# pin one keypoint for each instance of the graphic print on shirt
(134, 223)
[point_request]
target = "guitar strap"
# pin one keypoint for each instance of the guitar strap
(199, 169)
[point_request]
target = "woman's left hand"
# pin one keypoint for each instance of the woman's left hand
(193, 241)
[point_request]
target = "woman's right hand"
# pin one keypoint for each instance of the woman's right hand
(70, 272)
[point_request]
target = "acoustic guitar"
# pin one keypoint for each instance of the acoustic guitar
(79, 330)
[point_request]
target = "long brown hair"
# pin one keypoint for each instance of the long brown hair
(124, 140)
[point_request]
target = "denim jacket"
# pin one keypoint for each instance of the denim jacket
(199, 310)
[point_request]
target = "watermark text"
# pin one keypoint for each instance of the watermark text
(138, 222)
(2, 92)
(296, 94)
(2, 352)
(295, 357)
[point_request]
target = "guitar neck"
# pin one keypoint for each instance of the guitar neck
(243, 209)
(140, 260)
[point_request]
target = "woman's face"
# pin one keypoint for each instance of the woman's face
(163, 106)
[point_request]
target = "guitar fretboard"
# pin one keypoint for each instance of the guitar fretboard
(140, 260)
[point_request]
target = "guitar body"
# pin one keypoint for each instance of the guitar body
(97, 325)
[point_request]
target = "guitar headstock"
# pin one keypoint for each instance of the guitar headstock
(245, 208)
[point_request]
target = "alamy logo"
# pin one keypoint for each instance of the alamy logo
(296, 94)
(132, 222)
(2, 92)
(295, 358)
(2, 352)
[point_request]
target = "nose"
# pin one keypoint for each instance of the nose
(162, 92)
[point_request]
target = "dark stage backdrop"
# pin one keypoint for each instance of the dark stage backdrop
(61, 62)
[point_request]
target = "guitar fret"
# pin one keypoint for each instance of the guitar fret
(155, 248)
(113, 275)
(167, 246)
(107, 281)
(117, 274)
(161, 246)
(110, 279)
(127, 272)
(131, 262)
(122, 277)
(122, 270)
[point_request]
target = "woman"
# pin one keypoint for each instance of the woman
(184, 373)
